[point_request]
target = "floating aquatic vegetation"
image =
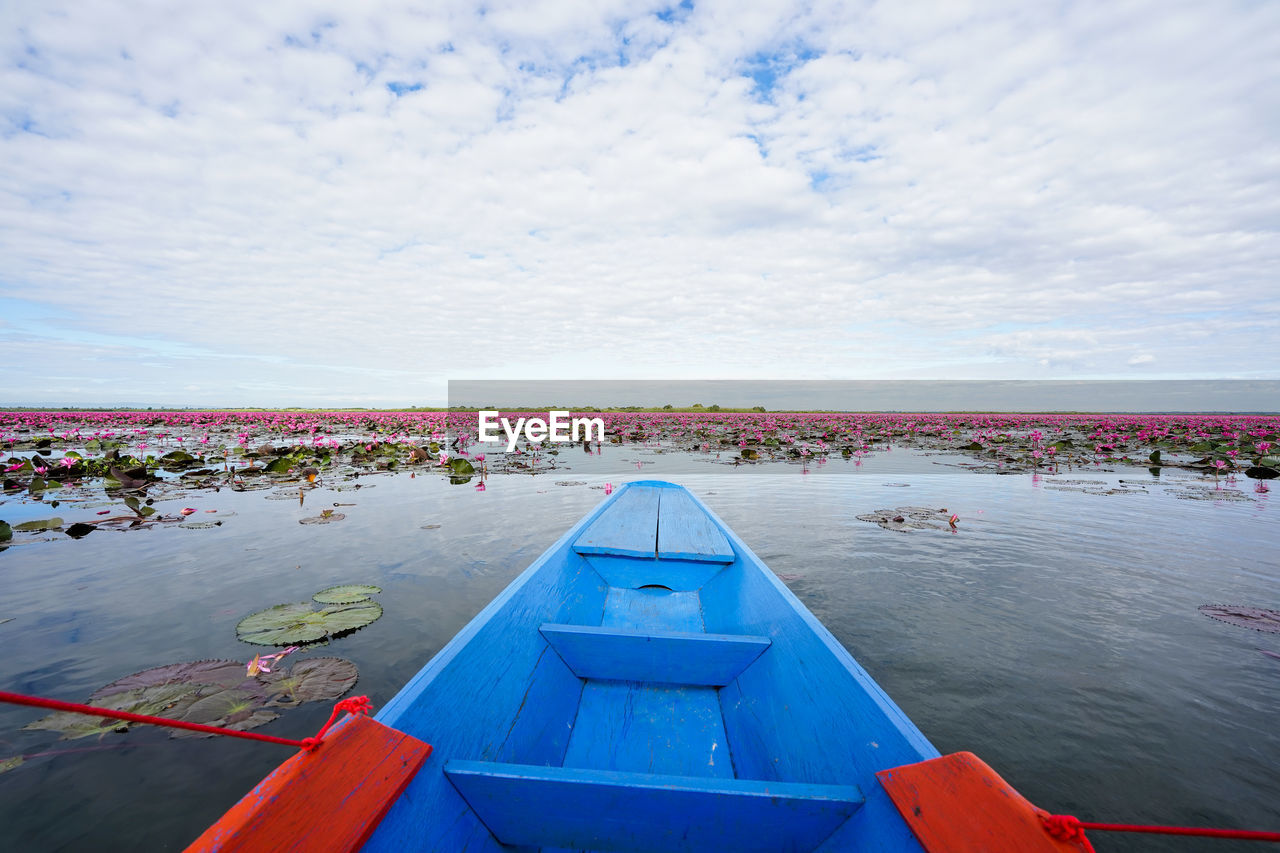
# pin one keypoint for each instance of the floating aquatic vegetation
(39, 526)
(1209, 492)
(326, 516)
(156, 701)
(348, 593)
(211, 692)
(906, 518)
(1257, 618)
(297, 623)
(313, 680)
(571, 482)
(1095, 487)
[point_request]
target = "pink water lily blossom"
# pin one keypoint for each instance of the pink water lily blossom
(67, 461)
(263, 663)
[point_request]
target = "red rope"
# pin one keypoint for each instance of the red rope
(1068, 828)
(355, 705)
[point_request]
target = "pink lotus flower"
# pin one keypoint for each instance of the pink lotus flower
(263, 663)
(480, 486)
(15, 466)
(187, 510)
(67, 462)
(608, 488)
(953, 519)
(41, 470)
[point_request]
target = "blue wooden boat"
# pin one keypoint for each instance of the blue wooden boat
(649, 685)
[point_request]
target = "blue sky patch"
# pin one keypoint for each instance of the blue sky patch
(401, 89)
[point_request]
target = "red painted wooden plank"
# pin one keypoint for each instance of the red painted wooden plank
(957, 803)
(324, 801)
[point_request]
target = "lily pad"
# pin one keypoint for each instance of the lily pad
(906, 518)
(228, 708)
(220, 673)
(7, 764)
(6, 532)
(200, 525)
(80, 530)
(154, 701)
(38, 526)
(460, 466)
(346, 593)
(293, 624)
(314, 680)
(323, 518)
(1257, 618)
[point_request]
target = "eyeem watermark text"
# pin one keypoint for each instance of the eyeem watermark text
(558, 427)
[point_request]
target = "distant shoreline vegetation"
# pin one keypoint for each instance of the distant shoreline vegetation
(694, 409)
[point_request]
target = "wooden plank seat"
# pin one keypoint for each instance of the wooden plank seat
(667, 657)
(641, 812)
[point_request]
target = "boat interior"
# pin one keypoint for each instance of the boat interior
(648, 684)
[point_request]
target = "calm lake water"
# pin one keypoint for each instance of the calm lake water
(1054, 633)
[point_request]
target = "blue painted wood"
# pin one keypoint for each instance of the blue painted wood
(604, 810)
(656, 609)
(628, 526)
(670, 657)
(803, 712)
(680, 575)
(649, 728)
(686, 532)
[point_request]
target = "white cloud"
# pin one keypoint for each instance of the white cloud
(373, 199)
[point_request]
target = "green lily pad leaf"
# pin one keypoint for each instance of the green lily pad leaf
(294, 624)
(460, 466)
(227, 707)
(155, 701)
(218, 673)
(281, 465)
(1155, 456)
(7, 764)
(1253, 472)
(348, 593)
(315, 680)
(177, 457)
(324, 517)
(79, 530)
(6, 532)
(38, 526)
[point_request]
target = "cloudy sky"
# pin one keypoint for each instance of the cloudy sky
(300, 204)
